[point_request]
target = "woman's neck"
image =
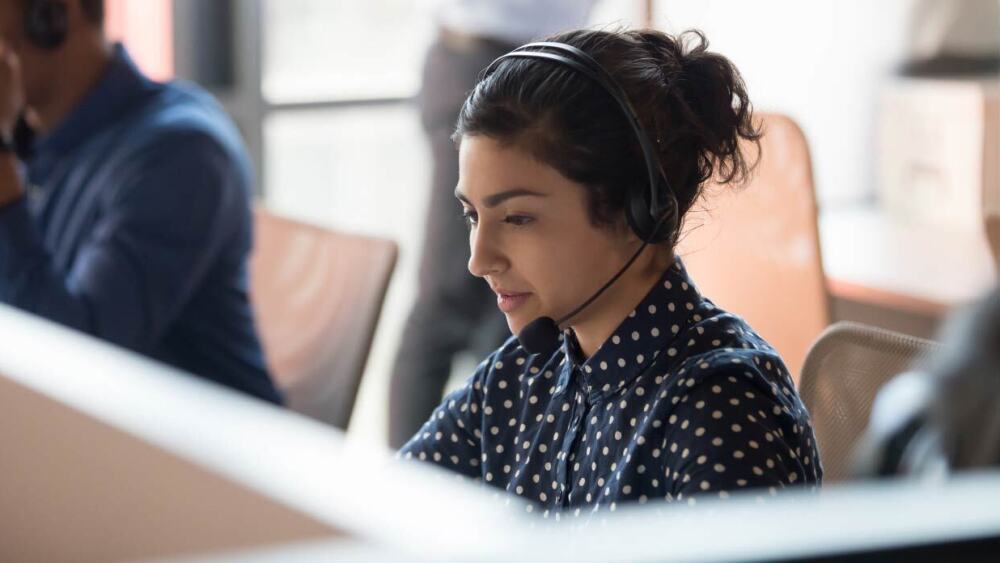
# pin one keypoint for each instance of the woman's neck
(610, 309)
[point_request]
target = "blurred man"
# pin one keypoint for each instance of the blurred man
(129, 218)
(454, 311)
(944, 416)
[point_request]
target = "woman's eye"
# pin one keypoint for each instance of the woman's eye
(471, 217)
(518, 220)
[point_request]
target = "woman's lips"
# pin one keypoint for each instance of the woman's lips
(508, 302)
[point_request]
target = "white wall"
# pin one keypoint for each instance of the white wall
(819, 61)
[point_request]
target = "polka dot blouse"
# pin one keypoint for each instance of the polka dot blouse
(683, 400)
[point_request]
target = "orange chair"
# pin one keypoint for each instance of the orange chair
(755, 251)
(317, 295)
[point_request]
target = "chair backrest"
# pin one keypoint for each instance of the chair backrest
(755, 251)
(844, 370)
(993, 237)
(317, 295)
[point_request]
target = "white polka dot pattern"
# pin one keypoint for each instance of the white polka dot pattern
(714, 413)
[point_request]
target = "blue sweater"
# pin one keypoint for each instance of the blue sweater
(136, 227)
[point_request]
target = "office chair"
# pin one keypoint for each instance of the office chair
(993, 237)
(844, 370)
(755, 251)
(317, 295)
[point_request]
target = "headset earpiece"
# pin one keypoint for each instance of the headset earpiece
(650, 224)
(46, 22)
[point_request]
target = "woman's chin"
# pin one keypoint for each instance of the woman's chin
(517, 321)
(514, 324)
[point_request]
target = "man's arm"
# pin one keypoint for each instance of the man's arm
(178, 203)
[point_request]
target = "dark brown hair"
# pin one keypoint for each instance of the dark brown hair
(691, 102)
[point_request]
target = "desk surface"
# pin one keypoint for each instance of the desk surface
(109, 456)
(871, 257)
(871, 521)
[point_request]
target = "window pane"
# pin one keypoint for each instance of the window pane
(343, 49)
(363, 169)
(146, 29)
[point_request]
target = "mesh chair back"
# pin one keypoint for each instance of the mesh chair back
(844, 370)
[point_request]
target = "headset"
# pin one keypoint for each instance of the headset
(46, 23)
(652, 212)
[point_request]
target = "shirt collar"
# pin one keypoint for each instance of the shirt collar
(640, 337)
(121, 85)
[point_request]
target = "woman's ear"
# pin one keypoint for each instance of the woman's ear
(623, 230)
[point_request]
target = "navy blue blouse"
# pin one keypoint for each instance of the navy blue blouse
(683, 400)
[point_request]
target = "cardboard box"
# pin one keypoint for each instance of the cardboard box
(938, 161)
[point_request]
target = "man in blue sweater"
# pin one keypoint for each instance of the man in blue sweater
(129, 218)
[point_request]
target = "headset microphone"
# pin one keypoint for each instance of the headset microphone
(646, 214)
(541, 336)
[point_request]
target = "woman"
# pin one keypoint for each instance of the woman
(651, 391)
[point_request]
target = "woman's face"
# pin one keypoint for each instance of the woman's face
(530, 233)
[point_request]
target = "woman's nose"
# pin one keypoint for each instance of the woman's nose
(486, 258)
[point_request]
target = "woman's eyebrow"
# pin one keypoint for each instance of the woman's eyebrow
(498, 198)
